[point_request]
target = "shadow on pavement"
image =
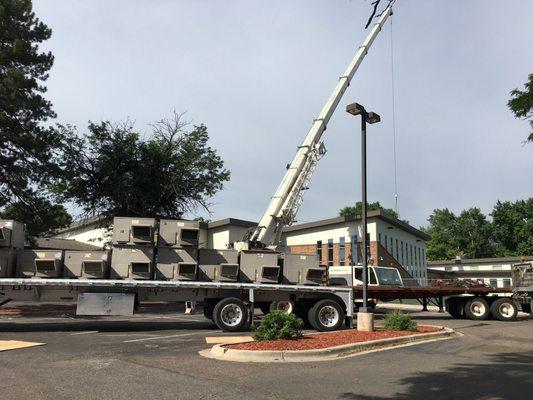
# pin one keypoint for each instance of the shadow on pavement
(104, 326)
(506, 376)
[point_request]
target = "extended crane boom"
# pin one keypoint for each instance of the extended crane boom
(284, 204)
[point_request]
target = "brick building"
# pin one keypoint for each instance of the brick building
(392, 242)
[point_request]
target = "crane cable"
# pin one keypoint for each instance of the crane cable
(394, 121)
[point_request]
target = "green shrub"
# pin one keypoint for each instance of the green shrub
(399, 321)
(279, 325)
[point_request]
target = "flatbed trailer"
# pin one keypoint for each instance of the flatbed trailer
(477, 303)
(229, 304)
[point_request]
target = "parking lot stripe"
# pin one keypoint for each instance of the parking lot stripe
(83, 333)
(170, 336)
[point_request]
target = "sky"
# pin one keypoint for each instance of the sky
(257, 73)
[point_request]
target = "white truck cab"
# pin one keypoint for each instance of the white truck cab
(342, 275)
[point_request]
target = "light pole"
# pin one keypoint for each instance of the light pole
(367, 320)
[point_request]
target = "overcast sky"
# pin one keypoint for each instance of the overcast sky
(258, 72)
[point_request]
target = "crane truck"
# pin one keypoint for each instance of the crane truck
(231, 304)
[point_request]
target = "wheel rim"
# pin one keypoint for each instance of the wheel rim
(478, 308)
(328, 316)
(231, 315)
(506, 310)
(284, 306)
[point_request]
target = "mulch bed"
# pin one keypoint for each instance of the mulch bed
(329, 339)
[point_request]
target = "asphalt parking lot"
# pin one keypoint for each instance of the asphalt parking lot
(154, 354)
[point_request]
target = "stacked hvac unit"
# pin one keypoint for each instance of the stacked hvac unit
(177, 250)
(11, 242)
(302, 269)
(86, 264)
(133, 248)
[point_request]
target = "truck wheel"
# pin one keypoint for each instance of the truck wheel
(504, 309)
(285, 306)
(477, 309)
(455, 308)
(326, 315)
(230, 315)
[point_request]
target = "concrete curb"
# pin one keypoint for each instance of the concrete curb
(220, 352)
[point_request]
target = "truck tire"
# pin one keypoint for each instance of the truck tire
(504, 309)
(477, 309)
(455, 308)
(231, 315)
(285, 306)
(326, 315)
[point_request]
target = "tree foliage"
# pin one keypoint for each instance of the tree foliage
(521, 104)
(114, 172)
(357, 209)
(472, 235)
(513, 227)
(26, 146)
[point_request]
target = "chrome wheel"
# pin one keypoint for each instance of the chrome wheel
(231, 315)
(328, 316)
(285, 306)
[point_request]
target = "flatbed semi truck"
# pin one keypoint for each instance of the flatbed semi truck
(231, 305)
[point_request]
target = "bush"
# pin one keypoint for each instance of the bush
(399, 321)
(279, 325)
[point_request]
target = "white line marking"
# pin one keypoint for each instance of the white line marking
(169, 337)
(83, 333)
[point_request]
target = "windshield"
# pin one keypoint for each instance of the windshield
(388, 276)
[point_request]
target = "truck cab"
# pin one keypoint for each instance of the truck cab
(345, 275)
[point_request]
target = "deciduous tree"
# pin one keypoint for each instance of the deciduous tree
(113, 172)
(521, 104)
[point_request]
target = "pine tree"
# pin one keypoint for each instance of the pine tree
(27, 145)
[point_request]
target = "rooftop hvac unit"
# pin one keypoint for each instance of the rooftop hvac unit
(11, 234)
(177, 264)
(218, 265)
(40, 263)
(132, 262)
(8, 259)
(302, 269)
(86, 264)
(178, 233)
(259, 267)
(134, 231)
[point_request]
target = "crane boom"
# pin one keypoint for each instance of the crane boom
(284, 204)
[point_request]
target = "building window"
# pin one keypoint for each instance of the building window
(342, 251)
(506, 283)
(379, 238)
(411, 249)
(448, 269)
(401, 252)
(319, 250)
(354, 250)
(493, 282)
(423, 260)
(386, 243)
(330, 252)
